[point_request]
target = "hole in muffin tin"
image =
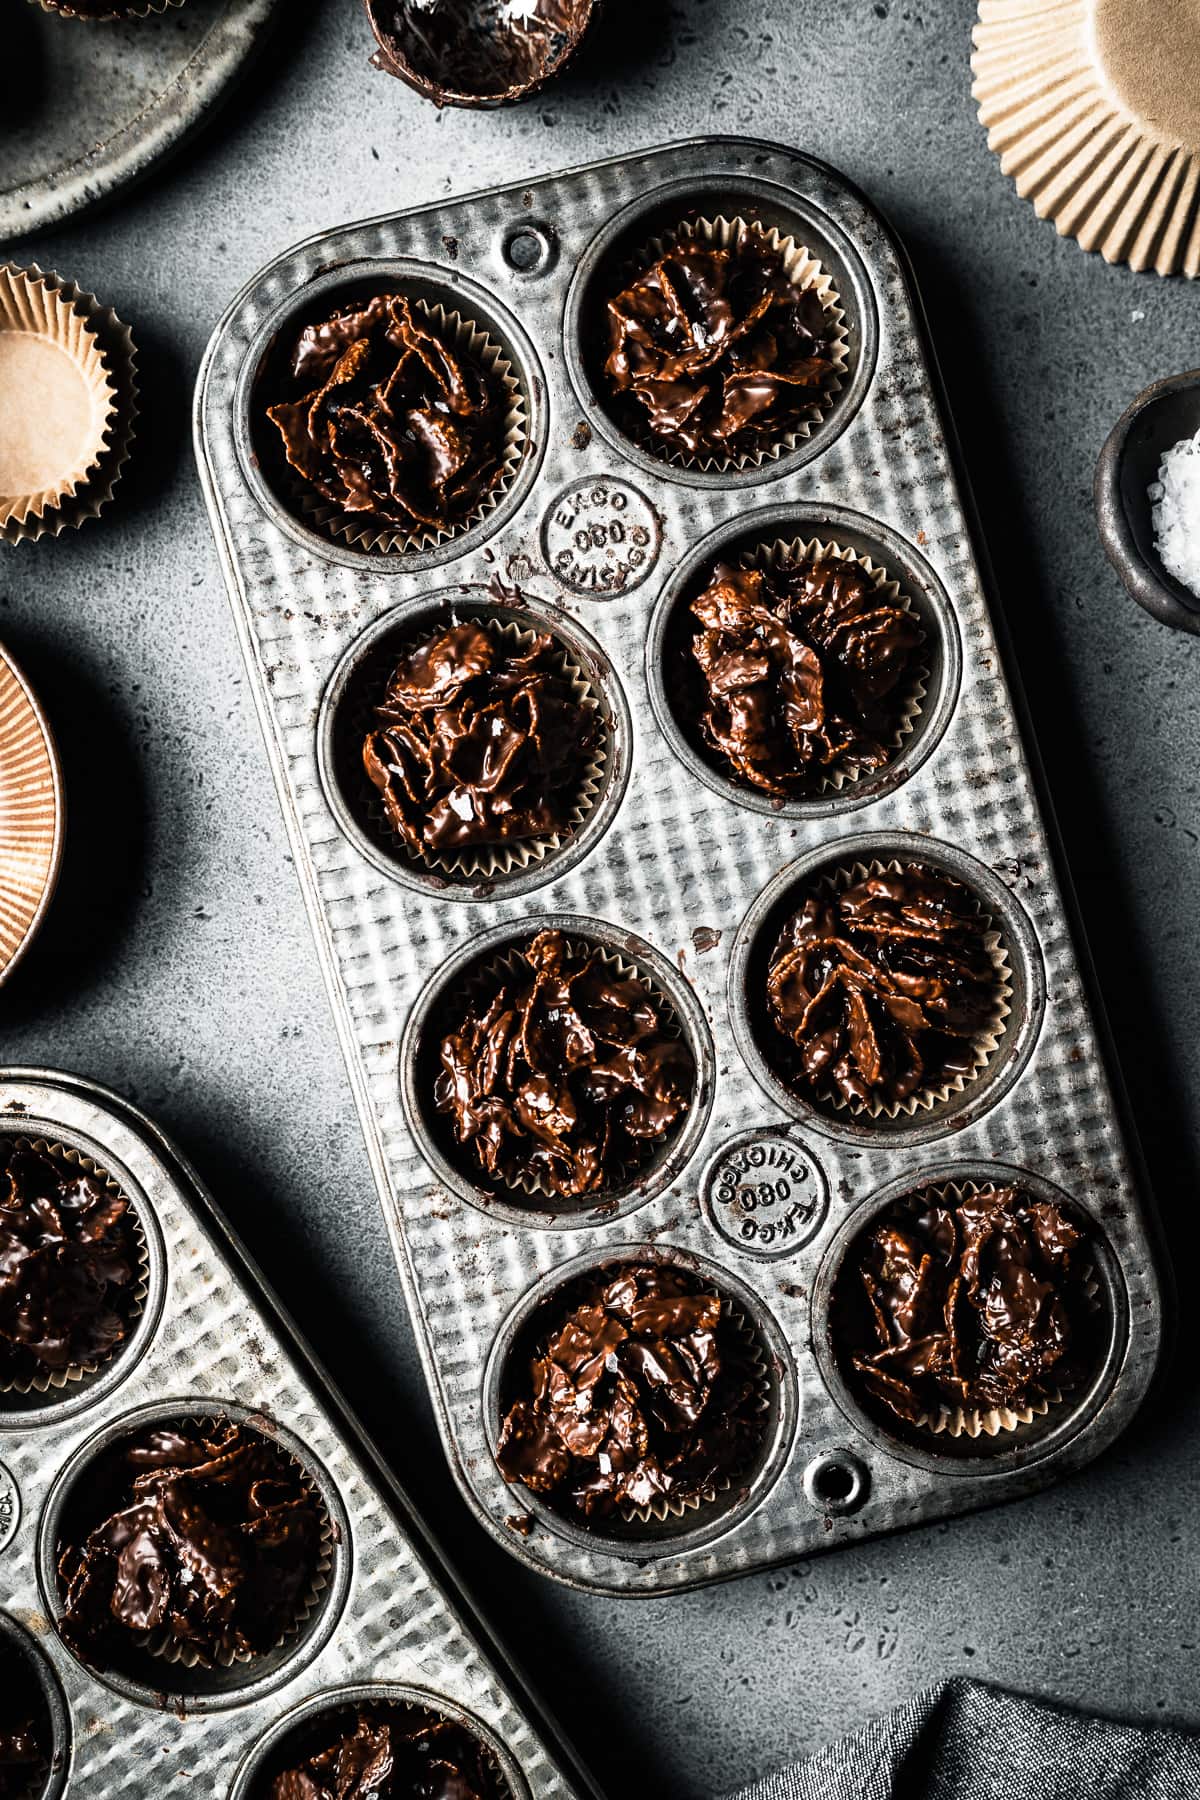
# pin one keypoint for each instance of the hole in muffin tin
(46, 1705)
(439, 1009)
(612, 256)
(1008, 1449)
(290, 1736)
(836, 1483)
(262, 380)
(530, 247)
(358, 683)
(764, 1048)
(697, 1526)
(674, 680)
(137, 1674)
(25, 1411)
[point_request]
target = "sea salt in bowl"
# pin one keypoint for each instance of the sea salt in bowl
(1130, 499)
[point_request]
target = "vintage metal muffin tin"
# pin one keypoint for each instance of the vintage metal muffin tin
(390, 1620)
(687, 873)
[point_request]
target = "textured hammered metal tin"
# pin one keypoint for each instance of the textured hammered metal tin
(210, 1337)
(605, 532)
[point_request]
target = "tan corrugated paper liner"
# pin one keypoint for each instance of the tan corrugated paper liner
(1093, 107)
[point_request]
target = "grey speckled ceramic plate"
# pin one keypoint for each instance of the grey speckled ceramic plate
(85, 107)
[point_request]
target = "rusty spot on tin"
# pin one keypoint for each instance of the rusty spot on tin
(793, 1290)
(450, 246)
(705, 937)
(581, 437)
(520, 1522)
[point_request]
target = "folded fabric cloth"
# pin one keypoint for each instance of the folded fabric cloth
(963, 1740)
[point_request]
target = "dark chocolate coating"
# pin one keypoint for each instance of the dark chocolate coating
(460, 51)
(25, 1731)
(93, 9)
(206, 1532)
(68, 1265)
(801, 668)
(973, 1304)
(386, 418)
(641, 1389)
(564, 1071)
(478, 741)
(882, 990)
(391, 1753)
(714, 350)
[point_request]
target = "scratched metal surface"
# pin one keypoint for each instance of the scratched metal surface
(207, 1338)
(679, 855)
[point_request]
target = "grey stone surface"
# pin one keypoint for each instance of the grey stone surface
(176, 962)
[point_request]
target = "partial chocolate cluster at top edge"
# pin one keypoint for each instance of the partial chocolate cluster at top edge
(200, 1537)
(478, 740)
(883, 990)
(485, 49)
(69, 1265)
(561, 1071)
(26, 1735)
(971, 1302)
(641, 1390)
(805, 668)
(390, 419)
(103, 9)
(382, 1752)
(714, 349)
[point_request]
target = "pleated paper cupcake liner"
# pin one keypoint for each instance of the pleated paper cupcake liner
(806, 274)
(910, 695)
(30, 814)
(56, 1380)
(378, 537)
(984, 1047)
(52, 312)
(140, 9)
(509, 967)
(481, 862)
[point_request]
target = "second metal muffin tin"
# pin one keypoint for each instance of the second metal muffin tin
(685, 873)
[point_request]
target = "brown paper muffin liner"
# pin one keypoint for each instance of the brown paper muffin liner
(504, 967)
(836, 881)
(57, 1379)
(996, 1421)
(167, 1649)
(911, 697)
(59, 312)
(805, 273)
(375, 536)
(481, 862)
(139, 9)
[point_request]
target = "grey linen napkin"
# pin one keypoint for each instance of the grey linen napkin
(962, 1740)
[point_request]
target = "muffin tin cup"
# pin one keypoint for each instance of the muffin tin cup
(1000, 1055)
(476, 321)
(481, 966)
(154, 1671)
(702, 1518)
(999, 1442)
(290, 1730)
(482, 873)
(767, 539)
(50, 1781)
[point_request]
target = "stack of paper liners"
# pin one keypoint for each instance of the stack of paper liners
(1094, 108)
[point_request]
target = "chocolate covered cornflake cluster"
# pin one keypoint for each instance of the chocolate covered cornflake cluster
(68, 1265)
(203, 1535)
(387, 418)
(971, 1303)
(884, 989)
(642, 1390)
(479, 741)
(563, 1071)
(804, 669)
(390, 1753)
(712, 349)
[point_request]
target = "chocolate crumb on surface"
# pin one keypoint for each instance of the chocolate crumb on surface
(639, 1389)
(386, 1752)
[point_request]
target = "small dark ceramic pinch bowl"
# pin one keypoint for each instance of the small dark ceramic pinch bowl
(408, 53)
(1161, 416)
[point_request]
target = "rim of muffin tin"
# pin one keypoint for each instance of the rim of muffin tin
(380, 1693)
(1007, 1451)
(403, 623)
(28, 1412)
(709, 193)
(424, 281)
(214, 1690)
(840, 527)
(23, 1644)
(714, 1519)
(435, 1140)
(759, 930)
